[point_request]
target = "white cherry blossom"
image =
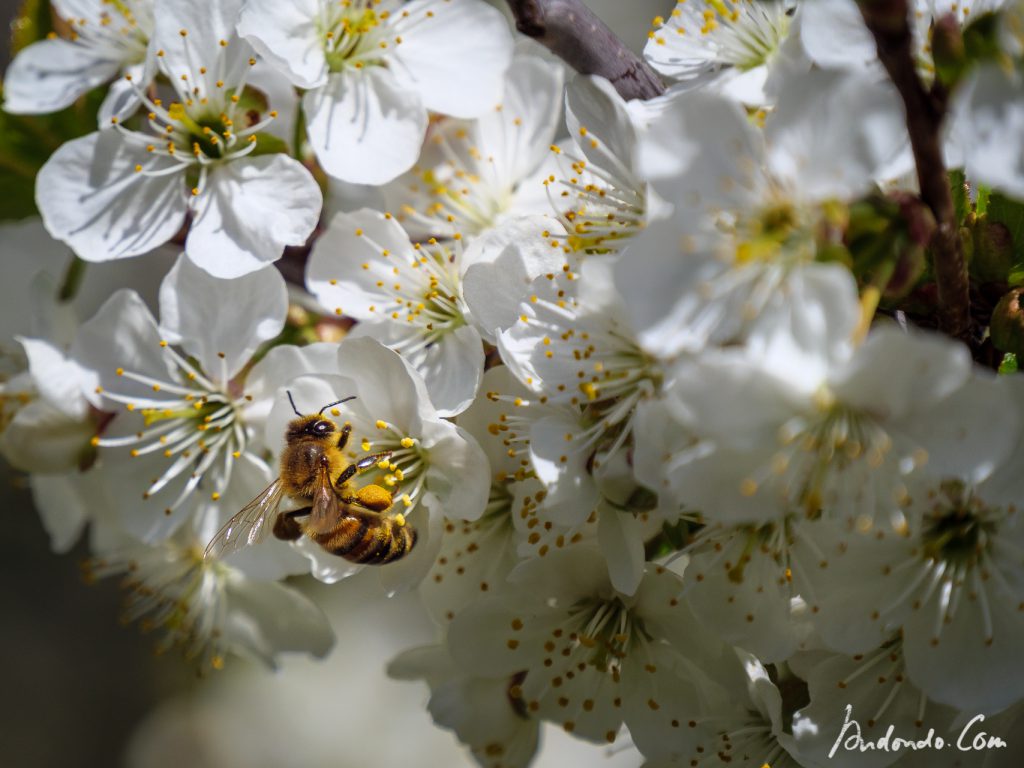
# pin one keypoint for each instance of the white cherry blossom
(952, 579)
(119, 193)
(189, 419)
(412, 296)
(593, 658)
(474, 174)
(748, 204)
(726, 45)
(373, 68)
(205, 607)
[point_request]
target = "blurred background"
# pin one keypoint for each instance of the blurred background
(80, 690)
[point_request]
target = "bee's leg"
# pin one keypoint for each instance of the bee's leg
(345, 432)
(374, 497)
(371, 497)
(286, 527)
(374, 458)
(346, 474)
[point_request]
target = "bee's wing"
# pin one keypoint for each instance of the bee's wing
(250, 525)
(325, 512)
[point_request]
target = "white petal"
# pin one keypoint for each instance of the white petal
(62, 508)
(388, 387)
(966, 669)
(42, 439)
(620, 535)
(364, 126)
(451, 366)
(50, 74)
(279, 366)
(207, 23)
(599, 123)
(456, 58)
(561, 465)
(122, 334)
(895, 372)
(91, 197)
(697, 138)
(834, 35)
(995, 120)
(521, 132)
(502, 264)
(122, 97)
(250, 210)
(817, 150)
(286, 34)
(458, 473)
(809, 328)
(660, 278)
(60, 380)
(221, 322)
(265, 618)
(335, 272)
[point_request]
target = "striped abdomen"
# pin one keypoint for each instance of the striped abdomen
(367, 538)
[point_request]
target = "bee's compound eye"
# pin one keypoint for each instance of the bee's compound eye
(321, 427)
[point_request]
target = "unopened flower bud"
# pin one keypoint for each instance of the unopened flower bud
(992, 256)
(948, 50)
(1007, 325)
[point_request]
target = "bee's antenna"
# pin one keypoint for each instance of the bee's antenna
(292, 401)
(337, 402)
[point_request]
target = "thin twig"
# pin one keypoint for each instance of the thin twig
(888, 21)
(571, 31)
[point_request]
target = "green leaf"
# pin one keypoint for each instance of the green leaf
(1010, 213)
(981, 199)
(1009, 363)
(981, 38)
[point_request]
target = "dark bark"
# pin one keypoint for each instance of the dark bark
(888, 21)
(571, 31)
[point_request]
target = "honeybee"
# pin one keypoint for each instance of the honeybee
(344, 520)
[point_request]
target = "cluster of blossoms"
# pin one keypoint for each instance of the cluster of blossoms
(656, 383)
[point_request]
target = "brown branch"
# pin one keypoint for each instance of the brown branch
(571, 31)
(888, 21)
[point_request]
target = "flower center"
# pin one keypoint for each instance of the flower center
(172, 587)
(958, 529)
(353, 33)
(742, 33)
(779, 231)
(211, 120)
(604, 630)
(406, 465)
(194, 425)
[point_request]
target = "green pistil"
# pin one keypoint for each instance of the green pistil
(349, 38)
(956, 533)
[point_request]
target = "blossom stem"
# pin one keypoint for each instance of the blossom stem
(574, 33)
(72, 279)
(888, 22)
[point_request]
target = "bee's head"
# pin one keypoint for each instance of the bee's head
(315, 426)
